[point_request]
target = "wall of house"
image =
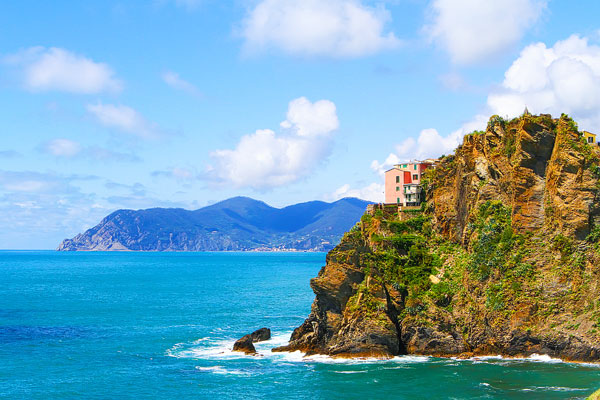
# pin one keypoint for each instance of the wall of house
(396, 178)
(391, 194)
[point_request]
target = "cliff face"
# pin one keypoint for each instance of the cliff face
(502, 259)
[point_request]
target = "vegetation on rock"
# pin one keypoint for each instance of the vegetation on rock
(502, 259)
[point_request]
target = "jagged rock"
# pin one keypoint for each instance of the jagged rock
(244, 345)
(504, 234)
(261, 335)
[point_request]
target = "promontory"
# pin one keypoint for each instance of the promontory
(502, 258)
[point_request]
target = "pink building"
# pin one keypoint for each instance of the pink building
(403, 183)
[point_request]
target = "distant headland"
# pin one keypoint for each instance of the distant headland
(236, 224)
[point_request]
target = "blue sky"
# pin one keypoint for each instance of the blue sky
(182, 103)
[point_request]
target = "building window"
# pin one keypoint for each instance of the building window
(397, 179)
(397, 188)
(416, 177)
(590, 140)
(398, 200)
(415, 166)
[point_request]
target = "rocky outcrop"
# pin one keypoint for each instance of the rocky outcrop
(502, 259)
(246, 343)
(260, 335)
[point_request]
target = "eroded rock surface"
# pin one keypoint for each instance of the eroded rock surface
(502, 259)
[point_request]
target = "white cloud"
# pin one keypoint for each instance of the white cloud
(475, 30)
(124, 119)
(62, 148)
(176, 82)
(373, 192)
(265, 159)
(562, 78)
(429, 144)
(66, 148)
(46, 69)
(333, 28)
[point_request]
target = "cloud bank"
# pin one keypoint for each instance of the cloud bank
(373, 192)
(264, 159)
(335, 28)
(562, 78)
(124, 119)
(176, 82)
(56, 69)
(474, 30)
(68, 149)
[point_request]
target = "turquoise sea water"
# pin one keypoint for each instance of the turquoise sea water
(161, 325)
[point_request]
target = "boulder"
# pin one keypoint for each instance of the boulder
(244, 345)
(261, 335)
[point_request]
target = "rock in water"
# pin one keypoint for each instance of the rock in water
(244, 345)
(261, 335)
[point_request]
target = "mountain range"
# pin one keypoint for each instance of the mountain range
(236, 224)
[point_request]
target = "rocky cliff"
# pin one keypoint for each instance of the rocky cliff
(503, 258)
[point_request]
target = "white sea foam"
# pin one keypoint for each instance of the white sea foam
(208, 348)
(551, 389)
(542, 358)
(217, 369)
(350, 372)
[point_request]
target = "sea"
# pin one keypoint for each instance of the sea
(161, 326)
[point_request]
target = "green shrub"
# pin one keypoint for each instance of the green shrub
(404, 242)
(563, 244)
(441, 294)
(594, 235)
(494, 238)
(494, 297)
(496, 120)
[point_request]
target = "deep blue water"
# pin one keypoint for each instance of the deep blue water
(160, 325)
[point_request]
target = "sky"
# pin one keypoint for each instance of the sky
(183, 103)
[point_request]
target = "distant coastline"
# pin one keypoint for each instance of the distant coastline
(236, 224)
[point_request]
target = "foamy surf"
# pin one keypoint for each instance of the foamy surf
(552, 389)
(541, 358)
(208, 348)
(223, 371)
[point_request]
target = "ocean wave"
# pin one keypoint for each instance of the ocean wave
(351, 372)
(217, 369)
(552, 389)
(209, 348)
(541, 358)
